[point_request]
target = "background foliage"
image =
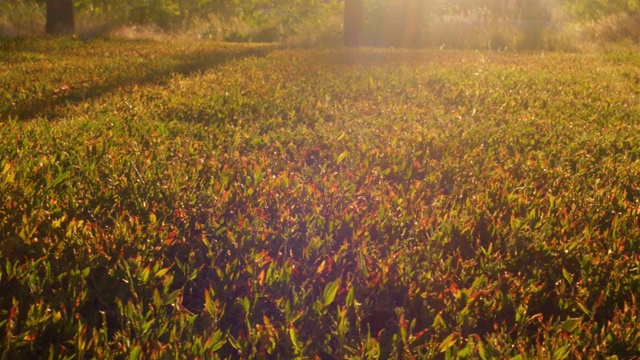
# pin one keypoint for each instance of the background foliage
(494, 24)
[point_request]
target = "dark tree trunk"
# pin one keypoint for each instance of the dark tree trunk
(60, 18)
(353, 20)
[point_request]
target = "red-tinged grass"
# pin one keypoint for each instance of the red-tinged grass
(260, 202)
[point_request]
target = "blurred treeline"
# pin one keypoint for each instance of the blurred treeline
(494, 24)
(229, 20)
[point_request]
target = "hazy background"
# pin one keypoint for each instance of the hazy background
(568, 25)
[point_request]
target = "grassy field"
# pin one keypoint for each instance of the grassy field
(205, 200)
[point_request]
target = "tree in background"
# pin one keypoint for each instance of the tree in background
(414, 17)
(396, 23)
(60, 20)
(353, 21)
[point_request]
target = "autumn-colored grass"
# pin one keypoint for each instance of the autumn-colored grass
(206, 200)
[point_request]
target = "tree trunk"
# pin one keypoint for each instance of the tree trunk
(60, 20)
(353, 21)
(413, 23)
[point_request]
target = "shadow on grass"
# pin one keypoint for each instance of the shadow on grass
(51, 105)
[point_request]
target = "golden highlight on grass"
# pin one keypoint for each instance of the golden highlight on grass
(200, 200)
